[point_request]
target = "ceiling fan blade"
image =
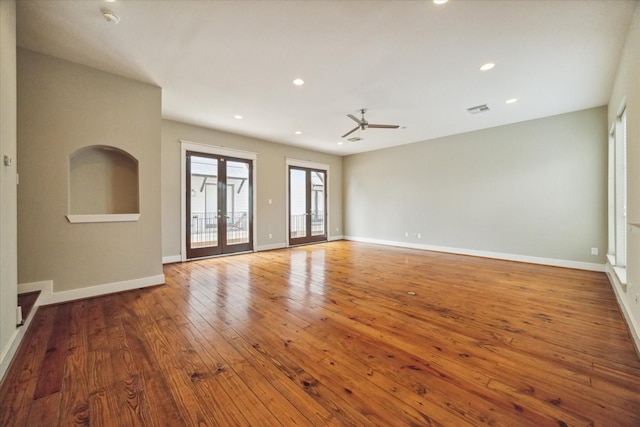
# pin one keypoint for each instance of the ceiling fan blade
(351, 131)
(354, 118)
(384, 126)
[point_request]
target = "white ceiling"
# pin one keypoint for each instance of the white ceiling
(411, 63)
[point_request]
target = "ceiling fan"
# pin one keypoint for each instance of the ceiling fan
(363, 124)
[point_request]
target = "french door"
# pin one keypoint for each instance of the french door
(307, 205)
(219, 217)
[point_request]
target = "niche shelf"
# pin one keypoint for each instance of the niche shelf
(103, 185)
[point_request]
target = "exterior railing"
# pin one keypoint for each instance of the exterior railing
(298, 224)
(204, 228)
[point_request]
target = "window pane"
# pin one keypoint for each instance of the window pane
(238, 199)
(204, 202)
(298, 202)
(317, 203)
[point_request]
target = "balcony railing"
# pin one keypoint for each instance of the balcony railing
(298, 224)
(204, 228)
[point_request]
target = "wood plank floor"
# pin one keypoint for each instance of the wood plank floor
(328, 334)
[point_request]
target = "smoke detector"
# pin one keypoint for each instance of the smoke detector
(110, 16)
(478, 109)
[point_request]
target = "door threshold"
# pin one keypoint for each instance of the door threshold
(308, 243)
(219, 255)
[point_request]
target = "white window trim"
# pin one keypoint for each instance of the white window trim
(621, 191)
(618, 227)
(611, 195)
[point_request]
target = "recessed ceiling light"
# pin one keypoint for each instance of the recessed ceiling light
(511, 101)
(487, 66)
(110, 16)
(298, 82)
(340, 143)
(440, 1)
(238, 117)
(110, 1)
(298, 132)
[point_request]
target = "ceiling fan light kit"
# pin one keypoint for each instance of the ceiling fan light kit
(363, 124)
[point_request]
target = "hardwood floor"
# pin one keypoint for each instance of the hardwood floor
(329, 335)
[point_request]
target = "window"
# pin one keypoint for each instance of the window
(618, 195)
(307, 200)
(217, 200)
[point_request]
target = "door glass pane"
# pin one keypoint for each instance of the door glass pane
(238, 202)
(298, 203)
(317, 203)
(204, 202)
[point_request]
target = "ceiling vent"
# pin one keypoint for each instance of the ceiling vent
(478, 109)
(355, 139)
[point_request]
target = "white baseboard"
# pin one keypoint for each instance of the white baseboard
(484, 254)
(48, 296)
(171, 259)
(11, 349)
(334, 238)
(619, 290)
(270, 247)
(43, 287)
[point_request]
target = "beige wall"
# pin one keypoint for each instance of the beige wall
(626, 91)
(531, 189)
(63, 107)
(270, 183)
(8, 250)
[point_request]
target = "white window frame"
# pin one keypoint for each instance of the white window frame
(617, 208)
(611, 205)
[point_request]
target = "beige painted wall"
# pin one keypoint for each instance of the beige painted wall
(8, 227)
(626, 91)
(271, 179)
(534, 189)
(63, 107)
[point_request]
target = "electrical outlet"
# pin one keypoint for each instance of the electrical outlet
(594, 251)
(270, 235)
(406, 234)
(337, 229)
(419, 235)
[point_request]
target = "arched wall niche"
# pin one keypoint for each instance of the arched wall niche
(103, 185)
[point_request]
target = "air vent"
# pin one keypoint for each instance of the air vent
(478, 109)
(355, 139)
